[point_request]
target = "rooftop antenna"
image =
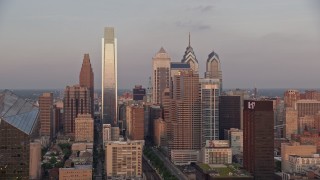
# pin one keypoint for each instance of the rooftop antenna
(189, 38)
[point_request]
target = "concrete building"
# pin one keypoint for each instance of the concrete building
(84, 128)
(210, 92)
(78, 172)
(159, 132)
(291, 121)
(46, 116)
(160, 75)
(154, 112)
(258, 138)
(235, 137)
(123, 159)
(291, 96)
(182, 157)
(306, 122)
(115, 133)
(35, 160)
(106, 132)
(307, 107)
(109, 105)
(294, 148)
(298, 164)
(216, 152)
(135, 122)
(86, 79)
(19, 126)
(76, 101)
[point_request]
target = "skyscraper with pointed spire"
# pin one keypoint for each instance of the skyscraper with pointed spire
(86, 79)
(160, 75)
(213, 68)
(190, 58)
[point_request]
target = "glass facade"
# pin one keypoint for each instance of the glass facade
(109, 77)
(210, 92)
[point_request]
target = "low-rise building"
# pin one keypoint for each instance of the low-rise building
(216, 152)
(84, 128)
(124, 159)
(78, 172)
(298, 164)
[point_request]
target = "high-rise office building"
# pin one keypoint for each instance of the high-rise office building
(210, 92)
(291, 121)
(109, 78)
(258, 139)
(19, 126)
(190, 58)
(76, 101)
(136, 123)
(160, 75)
(86, 79)
(307, 107)
(185, 116)
(213, 68)
(138, 93)
(229, 114)
(46, 115)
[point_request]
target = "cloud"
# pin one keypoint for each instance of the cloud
(203, 9)
(195, 26)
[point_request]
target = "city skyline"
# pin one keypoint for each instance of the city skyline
(261, 45)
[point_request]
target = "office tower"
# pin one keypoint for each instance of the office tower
(213, 68)
(229, 114)
(86, 79)
(169, 117)
(291, 121)
(76, 101)
(258, 139)
(149, 91)
(84, 128)
(138, 93)
(291, 96)
(210, 92)
(46, 116)
(124, 159)
(136, 122)
(19, 125)
(122, 118)
(312, 94)
(189, 57)
(160, 75)
(185, 116)
(109, 78)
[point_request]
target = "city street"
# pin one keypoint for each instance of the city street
(173, 169)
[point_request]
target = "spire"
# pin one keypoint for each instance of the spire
(162, 50)
(189, 39)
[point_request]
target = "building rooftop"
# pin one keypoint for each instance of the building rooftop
(18, 112)
(221, 170)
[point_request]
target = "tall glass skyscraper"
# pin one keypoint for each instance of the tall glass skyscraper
(109, 77)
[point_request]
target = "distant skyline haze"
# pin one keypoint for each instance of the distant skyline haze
(263, 44)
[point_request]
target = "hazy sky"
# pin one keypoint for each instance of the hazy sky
(266, 44)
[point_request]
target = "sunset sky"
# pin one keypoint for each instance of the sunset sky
(266, 44)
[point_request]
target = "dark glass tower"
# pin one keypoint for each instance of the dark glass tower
(229, 114)
(258, 139)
